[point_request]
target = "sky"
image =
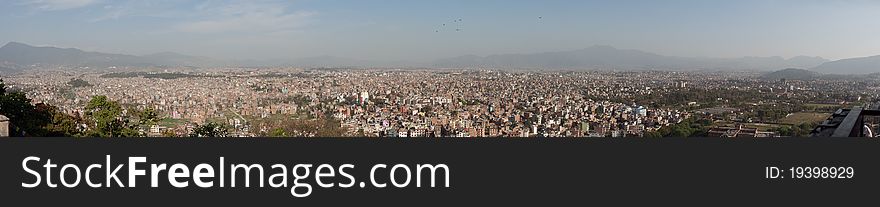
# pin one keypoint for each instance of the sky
(408, 30)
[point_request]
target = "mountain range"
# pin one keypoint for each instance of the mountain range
(802, 74)
(16, 55)
(19, 56)
(863, 65)
(609, 58)
(792, 74)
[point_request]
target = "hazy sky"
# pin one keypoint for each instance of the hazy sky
(407, 29)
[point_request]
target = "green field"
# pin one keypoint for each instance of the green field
(804, 117)
(169, 122)
(822, 107)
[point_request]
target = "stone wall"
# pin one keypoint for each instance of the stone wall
(4, 126)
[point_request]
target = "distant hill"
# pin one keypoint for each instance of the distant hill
(791, 74)
(9, 67)
(318, 61)
(21, 54)
(324, 61)
(596, 57)
(328, 61)
(863, 65)
(807, 61)
(607, 57)
(16, 56)
(175, 59)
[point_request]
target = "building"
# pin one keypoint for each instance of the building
(682, 84)
(4, 126)
(364, 97)
(641, 111)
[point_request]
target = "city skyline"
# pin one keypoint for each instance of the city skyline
(414, 31)
(331, 102)
(488, 68)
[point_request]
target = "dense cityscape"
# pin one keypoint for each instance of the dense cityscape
(239, 102)
(334, 102)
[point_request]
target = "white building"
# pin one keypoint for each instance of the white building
(364, 97)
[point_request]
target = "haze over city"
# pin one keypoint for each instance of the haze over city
(488, 68)
(659, 92)
(420, 31)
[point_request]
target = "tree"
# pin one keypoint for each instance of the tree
(278, 132)
(330, 127)
(23, 116)
(784, 131)
(108, 119)
(76, 83)
(145, 119)
(61, 124)
(210, 129)
(169, 133)
(148, 117)
(653, 134)
(36, 119)
(686, 128)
